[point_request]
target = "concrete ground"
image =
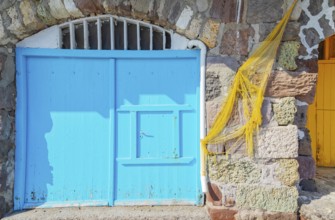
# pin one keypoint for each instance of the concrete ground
(320, 205)
(114, 213)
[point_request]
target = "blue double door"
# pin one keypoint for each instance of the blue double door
(107, 128)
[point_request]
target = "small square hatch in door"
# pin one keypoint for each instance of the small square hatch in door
(157, 138)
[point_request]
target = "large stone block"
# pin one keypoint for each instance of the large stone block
(285, 110)
(3, 35)
(202, 5)
(58, 10)
(264, 11)
(277, 142)
(3, 208)
(15, 26)
(163, 8)
(312, 36)
(219, 74)
(5, 147)
(316, 7)
(306, 167)
(3, 58)
(87, 6)
(72, 8)
(287, 54)
(310, 66)
(227, 10)
(225, 65)
(212, 109)
(30, 20)
(214, 194)
(7, 183)
(236, 41)
(7, 68)
(210, 32)
(267, 113)
(300, 85)
(234, 172)
(112, 6)
(305, 148)
(220, 213)
(275, 199)
(5, 125)
(300, 117)
(213, 85)
(43, 13)
(176, 8)
(283, 172)
(287, 172)
(292, 31)
(4, 4)
(263, 215)
(265, 29)
(142, 6)
(7, 97)
(319, 209)
(194, 29)
(325, 25)
(184, 19)
(308, 185)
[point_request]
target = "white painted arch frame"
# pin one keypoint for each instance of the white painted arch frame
(52, 38)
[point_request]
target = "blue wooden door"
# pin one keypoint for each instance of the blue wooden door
(157, 120)
(106, 128)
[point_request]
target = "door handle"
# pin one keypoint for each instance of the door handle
(144, 134)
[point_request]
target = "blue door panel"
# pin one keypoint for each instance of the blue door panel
(67, 130)
(157, 81)
(106, 128)
(157, 102)
(152, 141)
(156, 183)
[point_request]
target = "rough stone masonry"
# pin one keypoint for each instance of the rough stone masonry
(231, 29)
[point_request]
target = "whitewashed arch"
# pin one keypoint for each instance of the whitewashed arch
(121, 33)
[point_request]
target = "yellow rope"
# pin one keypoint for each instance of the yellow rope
(248, 87)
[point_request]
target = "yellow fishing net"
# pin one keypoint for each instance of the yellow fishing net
(240, 114)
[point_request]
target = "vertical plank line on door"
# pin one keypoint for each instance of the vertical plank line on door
(112, 133)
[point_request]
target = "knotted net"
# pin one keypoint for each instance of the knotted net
(240, 114)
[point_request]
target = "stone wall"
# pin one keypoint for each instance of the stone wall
(283, 143)
(231, 29)
(7, 116)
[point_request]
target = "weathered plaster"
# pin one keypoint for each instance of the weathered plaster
(314, 24)
(47, 38)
